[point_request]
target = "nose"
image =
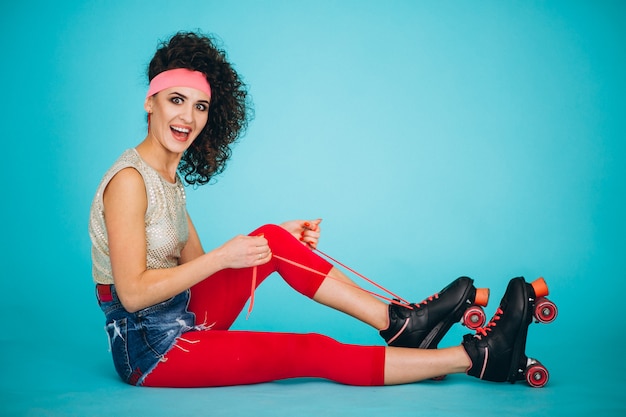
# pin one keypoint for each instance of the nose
(186, 113)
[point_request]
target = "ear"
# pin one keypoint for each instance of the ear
(147, 105)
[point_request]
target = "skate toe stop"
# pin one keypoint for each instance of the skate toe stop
(540, 287)
(482, 297)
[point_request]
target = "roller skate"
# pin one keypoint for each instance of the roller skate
(497, 351)
(423, 325)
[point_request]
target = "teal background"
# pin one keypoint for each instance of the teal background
(435, 139)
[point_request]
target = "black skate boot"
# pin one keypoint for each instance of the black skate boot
(423, 325)
(497, 351)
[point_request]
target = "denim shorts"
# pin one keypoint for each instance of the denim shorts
(140, 340)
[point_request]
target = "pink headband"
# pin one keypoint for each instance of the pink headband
(179, 77)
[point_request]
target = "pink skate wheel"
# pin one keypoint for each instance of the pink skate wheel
(545, 310)
(474, 317)
(537, 375)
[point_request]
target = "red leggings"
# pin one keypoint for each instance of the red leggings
(220, 357)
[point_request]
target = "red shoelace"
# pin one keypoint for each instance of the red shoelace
(428, 300)
(492, 323)
(394, 298)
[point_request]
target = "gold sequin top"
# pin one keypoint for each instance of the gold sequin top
(165, 220)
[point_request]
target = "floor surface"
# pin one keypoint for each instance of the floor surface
(61, 377)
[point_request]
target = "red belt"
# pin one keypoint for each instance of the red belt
(104, 293)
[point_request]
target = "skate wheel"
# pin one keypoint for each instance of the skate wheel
(545, 310)
(540, 287)
(474, 317)
(482, 297)
(537, 375)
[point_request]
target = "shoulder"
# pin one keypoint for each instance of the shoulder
(128, 177)
(127, 189)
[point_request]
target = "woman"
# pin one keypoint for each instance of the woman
(169, 304)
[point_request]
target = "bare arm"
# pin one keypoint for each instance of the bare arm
(125, 205)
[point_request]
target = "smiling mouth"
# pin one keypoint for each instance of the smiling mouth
(180, 133)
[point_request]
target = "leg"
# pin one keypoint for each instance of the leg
(222, 358)
(219, 299)
(428, 323)
(338, 292)
(406, 365)
(342, 294)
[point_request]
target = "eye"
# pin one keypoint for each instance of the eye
(201, 107)
(176, 100)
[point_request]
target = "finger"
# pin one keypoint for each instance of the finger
(264, 258)
(309, 241)
(310, 234)
(262, 251)
(312, 224)
(306, 236)
(260, 242)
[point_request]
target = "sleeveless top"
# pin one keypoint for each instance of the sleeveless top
(165, 219)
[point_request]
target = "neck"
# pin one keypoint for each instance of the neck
(159, 158)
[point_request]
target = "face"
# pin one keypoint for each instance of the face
(177, 116)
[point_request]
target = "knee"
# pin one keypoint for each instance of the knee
(278, 238)
(271, 232)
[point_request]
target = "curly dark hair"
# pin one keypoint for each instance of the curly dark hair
(229, 110)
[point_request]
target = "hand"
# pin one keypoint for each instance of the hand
(306, 231)
(244, 252)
